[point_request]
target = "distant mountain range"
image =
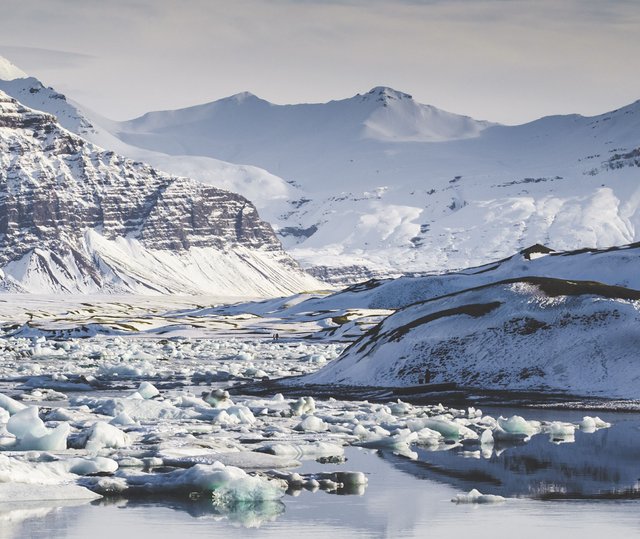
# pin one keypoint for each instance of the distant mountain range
(378, 184)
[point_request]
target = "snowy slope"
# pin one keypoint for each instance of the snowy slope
(80, 219)
(618, 266)
(529, 334)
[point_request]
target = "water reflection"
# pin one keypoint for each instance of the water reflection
(602, 464)
(246, 514)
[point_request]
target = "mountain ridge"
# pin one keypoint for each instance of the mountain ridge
(77, 218)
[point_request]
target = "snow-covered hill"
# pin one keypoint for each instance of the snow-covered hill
(76, 218)
(378, 184)
(528, 333)
(617, 266)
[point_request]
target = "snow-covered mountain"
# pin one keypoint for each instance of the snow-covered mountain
(378, 184)
(529, 333)
(76, 218)
(268, 192)
(388, 185)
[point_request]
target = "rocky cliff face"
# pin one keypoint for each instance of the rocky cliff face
(68, 209)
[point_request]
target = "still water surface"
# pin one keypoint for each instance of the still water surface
(404, 498)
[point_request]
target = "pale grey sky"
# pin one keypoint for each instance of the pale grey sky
(503, 60)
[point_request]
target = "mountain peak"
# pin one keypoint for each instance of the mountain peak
(241, 97)
(8, 71)
(384, 94)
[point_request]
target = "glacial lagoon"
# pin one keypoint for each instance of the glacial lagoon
(403, 498)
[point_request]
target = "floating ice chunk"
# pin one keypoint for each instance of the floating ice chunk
(346, 481)
(311, 423)
(591, 424)
(102, 435)
(561, 431)
(475, 496)
(304, 405)
(141, 355)
(88, 466)
(374, 433)
(487, 437)
(10, 405)
(26, 421)
(41, 350)
(517, 425)
(53, 440)
(427, 436)
(400, 408)
(120, 370)
(147, 390)
(105, 485)
(123, 419)
(245, 356)
(227, 484)
(189, 401)
(399, 442)
(219, 398)
(515, 428)
(234, 415)
(448, 429)
(31, 433)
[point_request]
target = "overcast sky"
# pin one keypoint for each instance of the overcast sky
(503, 60)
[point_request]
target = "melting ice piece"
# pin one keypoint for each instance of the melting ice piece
(311, 423)
(227, 484)
(102, 435)
(559, 431)
(487, 437)
(10, 405)
(475, 496)
(147, 390)
(448, 429)
(31, 434)
(218, 398)
(304, 405)
(591, 424)
(122, 419)
(515, 428)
